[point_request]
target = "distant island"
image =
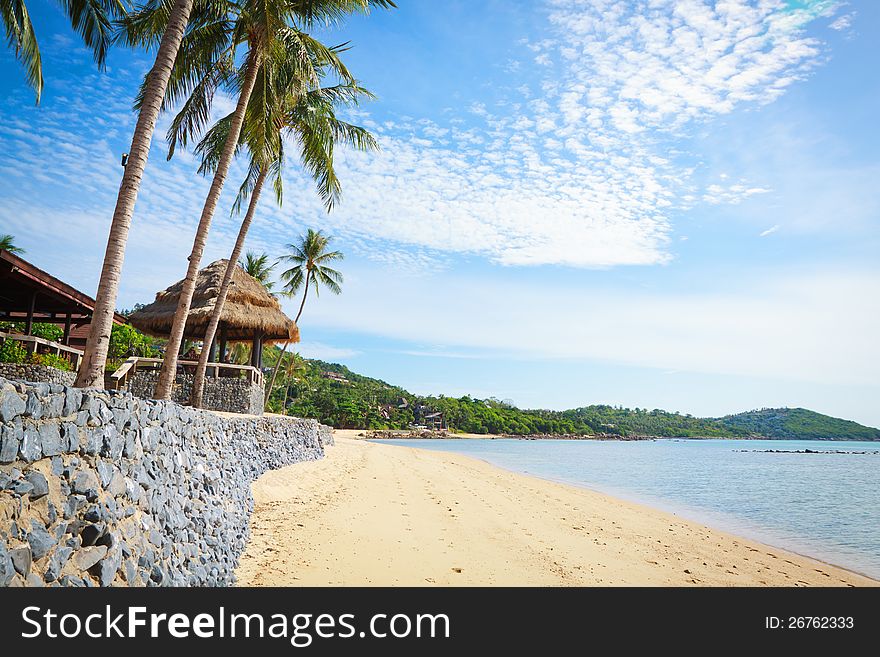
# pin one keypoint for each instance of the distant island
(335, 395)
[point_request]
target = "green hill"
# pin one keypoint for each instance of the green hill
(798, 423)
(335, 395)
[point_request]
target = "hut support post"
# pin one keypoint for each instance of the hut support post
(66, 339)
(29, 322)
(257, 352)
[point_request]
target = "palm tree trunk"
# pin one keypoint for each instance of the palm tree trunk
(286, 390)
(199, 381)
(169, 364)
(302, 305)
(91, 371)
(278, 364)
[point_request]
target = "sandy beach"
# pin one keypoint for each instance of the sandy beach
(373, 514)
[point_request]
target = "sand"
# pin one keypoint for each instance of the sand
(373, 514)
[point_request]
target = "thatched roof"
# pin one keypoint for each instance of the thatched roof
(248, 308)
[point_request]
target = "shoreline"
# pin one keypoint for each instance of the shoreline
(371, 514)
(403, 434)
(679, 511)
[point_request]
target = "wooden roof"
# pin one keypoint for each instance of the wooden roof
(20, 282)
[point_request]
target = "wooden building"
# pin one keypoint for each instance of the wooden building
(29, 295)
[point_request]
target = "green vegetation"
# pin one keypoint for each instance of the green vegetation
(351, 401)
(91, 19)
(39, 329)
(13, 352)
(309, 260)
(7, 243)
(257, 265)
(335, 395)
(127, 341)
(798, 423)
(52, 360)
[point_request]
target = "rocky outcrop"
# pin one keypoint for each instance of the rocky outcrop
(101, 488)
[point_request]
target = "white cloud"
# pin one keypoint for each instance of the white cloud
(843, 23)
(324, 352)
(731, 194)
(581, 175)
(769, 231)
(584, 175)
(776, 327)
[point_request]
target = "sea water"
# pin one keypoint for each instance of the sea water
(824, 505)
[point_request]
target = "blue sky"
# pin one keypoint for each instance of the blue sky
(653, 203)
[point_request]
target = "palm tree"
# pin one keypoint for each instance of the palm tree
(308, 258)
(258, 266)
(91, 19)
(91, 371)
(294, 366)
(311, 120)
(7, 243)
(267, 29)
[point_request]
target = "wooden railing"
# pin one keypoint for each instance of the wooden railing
(120, 377)
(32, 342)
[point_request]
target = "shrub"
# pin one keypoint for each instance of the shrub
(39, 329)
(48, 331)
(125, 341)
(13, 352)
(52, 360)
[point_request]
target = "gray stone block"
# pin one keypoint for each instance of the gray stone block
(30, 448)
(33, 406)
(50, 439)
(94, 440)
(53, 405)
(40, 541)
(70, 437)
(56, 562)
(86, 557)
(85, 482)
(105, 570)
(105, 472)
(39, 483)
(10, 441)
(20, 487)
(7, 569)
(22, 558)
(11, 403)
(72, 401)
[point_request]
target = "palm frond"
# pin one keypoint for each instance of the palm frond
(21, 38)
(93, 21)
(211, 145)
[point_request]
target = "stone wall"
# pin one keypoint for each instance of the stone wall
(101, 488)
(233, 395)
(30, 372)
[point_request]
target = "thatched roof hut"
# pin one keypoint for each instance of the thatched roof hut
(250, 313)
